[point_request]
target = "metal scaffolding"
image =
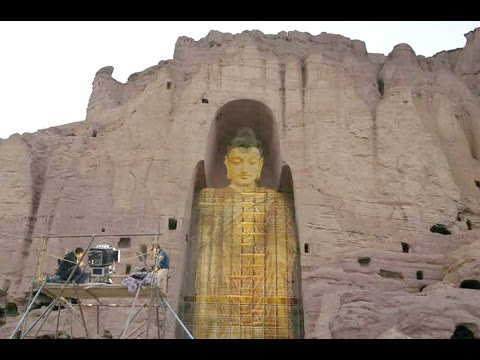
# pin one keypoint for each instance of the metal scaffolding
(155, 301)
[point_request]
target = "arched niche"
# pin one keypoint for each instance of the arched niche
(220, 235)
(231, 117)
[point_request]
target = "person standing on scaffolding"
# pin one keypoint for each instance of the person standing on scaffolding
(162, 269)
(68, 264)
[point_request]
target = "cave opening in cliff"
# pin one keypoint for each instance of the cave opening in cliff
(440, 229)
(172, 224)
(364, 260)
(124, 242)
(242, 265)
(469, 224)
(470, 284)
(462, 332)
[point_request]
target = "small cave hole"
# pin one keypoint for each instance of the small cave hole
(405, 247)
(470, 284)
(172, 224)
(364, 261)
(124, 242)
(469, 224)
(306, 248)
(204, 101)
(11, 309)
(419, 275)
(462, 332)
(440, 229)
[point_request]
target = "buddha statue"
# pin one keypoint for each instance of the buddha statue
(242, 266)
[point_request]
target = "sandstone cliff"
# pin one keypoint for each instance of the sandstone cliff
(380, 149)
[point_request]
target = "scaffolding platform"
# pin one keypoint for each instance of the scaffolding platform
(154, 300)
(97, 291)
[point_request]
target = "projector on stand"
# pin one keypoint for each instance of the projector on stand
(102, 259)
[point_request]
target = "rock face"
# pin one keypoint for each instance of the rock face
(380, 149)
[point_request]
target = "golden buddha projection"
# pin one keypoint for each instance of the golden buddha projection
(242, 274)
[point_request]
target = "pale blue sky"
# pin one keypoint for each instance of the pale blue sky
(47, 68)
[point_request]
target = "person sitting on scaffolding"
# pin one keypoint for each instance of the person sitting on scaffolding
(68, 264)
(162, 269)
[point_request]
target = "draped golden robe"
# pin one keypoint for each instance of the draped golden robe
(244, 266)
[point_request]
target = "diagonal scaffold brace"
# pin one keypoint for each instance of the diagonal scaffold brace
(47, 311)
(27, 311)
(167, 305)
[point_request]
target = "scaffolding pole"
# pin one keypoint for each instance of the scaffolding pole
(27, 311)
(165, 303)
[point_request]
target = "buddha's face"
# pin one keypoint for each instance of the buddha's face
(244, 166)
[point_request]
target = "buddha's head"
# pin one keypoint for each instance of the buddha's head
(244, 159)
